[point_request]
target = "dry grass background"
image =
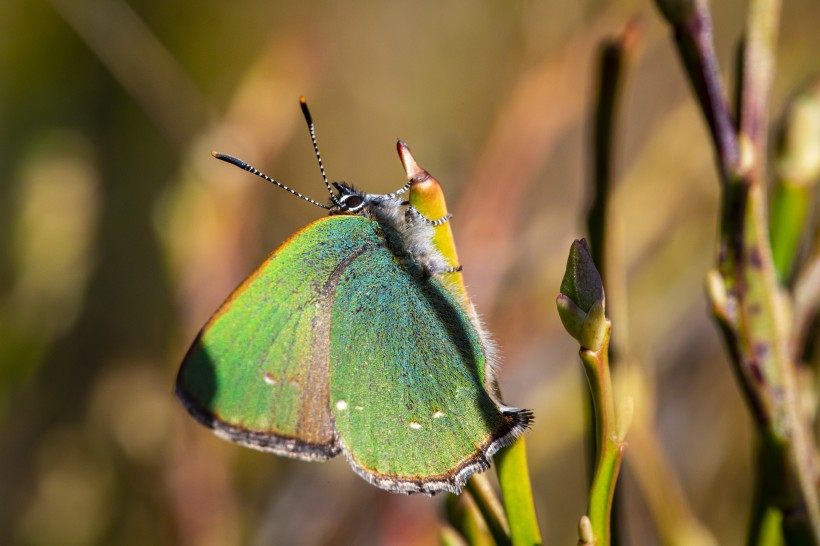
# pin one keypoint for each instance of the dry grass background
(119, 235)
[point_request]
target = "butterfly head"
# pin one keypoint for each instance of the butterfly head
(349, 200)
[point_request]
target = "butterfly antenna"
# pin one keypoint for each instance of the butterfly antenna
(251, 169)
(312, 129)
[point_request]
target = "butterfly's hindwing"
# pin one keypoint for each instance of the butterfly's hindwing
(407, 384)
(258, 372)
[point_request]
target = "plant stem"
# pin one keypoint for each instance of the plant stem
(790, 206)
(758, 71)
(450, 537)
(514, 478)
(610, 445)
(744, 291)
(692, 28)
(490, 507)
(615, 55)
(465, 517)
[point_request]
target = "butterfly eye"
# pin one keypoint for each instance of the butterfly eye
(353, 202)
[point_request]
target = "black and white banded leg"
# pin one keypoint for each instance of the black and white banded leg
(414, 215)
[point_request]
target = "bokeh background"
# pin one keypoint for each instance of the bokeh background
(119, 235)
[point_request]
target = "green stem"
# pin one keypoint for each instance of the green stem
(450, 537)
(790, 206)
(464, 515)
(611, 445)
(514, 479)
(762, 326)
(769, 533)
(766, 520)
(490, 507)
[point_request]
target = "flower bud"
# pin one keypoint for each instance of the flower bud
(581, 301)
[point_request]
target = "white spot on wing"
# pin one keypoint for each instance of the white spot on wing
(341, 405)
(415, 425)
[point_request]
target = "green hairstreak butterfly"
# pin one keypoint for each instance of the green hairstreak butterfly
(348, 339)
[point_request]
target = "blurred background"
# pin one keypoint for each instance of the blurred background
(120, 235)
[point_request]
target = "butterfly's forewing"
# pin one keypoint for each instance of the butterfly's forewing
(407, 386)
(258, 372)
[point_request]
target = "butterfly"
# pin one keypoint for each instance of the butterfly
(350, 339)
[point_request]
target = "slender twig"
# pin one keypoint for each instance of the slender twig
(611, 451)
(692, 27)
(490, 507)
(615, 56)
(758, 70)
(514, 479)
(744, 291)
(464, 515)
(787, 455)
(448, 536)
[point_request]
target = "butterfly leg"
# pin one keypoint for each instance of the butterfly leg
(440, 266)
(435, 267)
(413, 215)
(438, 222)
(424, 249)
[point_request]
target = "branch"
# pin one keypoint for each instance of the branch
(692, 28)
(744, 291)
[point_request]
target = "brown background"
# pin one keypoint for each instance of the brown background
(119, 235)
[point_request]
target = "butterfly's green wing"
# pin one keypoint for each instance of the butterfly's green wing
(333, 345)
(258, 371)
(407, 380)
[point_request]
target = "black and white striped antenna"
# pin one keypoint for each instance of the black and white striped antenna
(311, 128)
(253, 170)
